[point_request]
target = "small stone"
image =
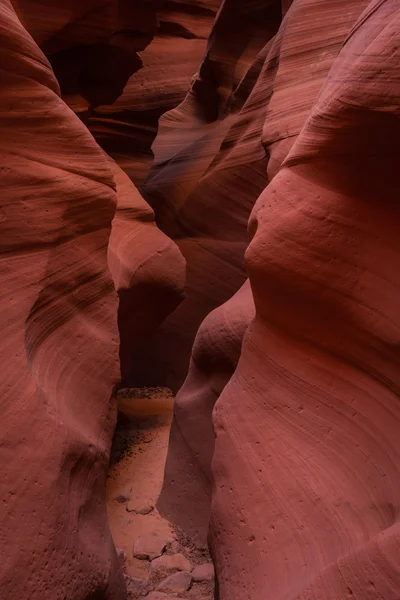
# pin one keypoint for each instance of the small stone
(150, 545)
(139, 506)
(121, 555)
(137, 588)
(177, 583)
(170, 562)
(204, 572)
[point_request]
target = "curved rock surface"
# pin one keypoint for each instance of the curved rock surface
(285, 440)
(186, 494)
(267, 124)
(60, 325)
(209, 168)
(218, 150)
(148, 272)
(306, 463)
(93, 51)
(126, 128)
(92, 46)
(59, 350)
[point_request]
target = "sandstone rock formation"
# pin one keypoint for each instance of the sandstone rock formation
(266, 127)
(147, 268)
(126, 128)
(92, 46)
(60, 339)
(217, 151)
(284, 448)
(186, 493)
(206, 151)
(306, 462)
(59, 351)
(95, 49)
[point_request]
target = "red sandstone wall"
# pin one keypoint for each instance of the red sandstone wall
(59, 351)
(306, 463)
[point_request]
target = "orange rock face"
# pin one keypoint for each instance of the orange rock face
(59, 351)
(306, 463)
(92, 46)
(270, 116)
(126, 128)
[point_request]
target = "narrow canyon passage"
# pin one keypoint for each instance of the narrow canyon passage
(199, 299)
(157, 558)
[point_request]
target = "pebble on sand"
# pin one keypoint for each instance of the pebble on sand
(204, 572)
(170, 562)
(177, 583)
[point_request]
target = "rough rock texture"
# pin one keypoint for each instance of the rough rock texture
(136, 587)
(158, 596)
(59, 351)
(150, 545)
(306, 462)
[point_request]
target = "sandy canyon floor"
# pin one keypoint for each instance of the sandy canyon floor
(159, 562)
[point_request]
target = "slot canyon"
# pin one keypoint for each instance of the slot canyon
(200, 299)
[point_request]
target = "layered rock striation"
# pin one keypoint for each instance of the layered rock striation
(59, 351)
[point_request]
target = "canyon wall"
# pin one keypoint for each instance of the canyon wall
(279, 91)
(127, 127)
(305, 472)
(74, 230)
(59, 350)
(95, 48)
(148, 272)
(209, 168)
(306, 464)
